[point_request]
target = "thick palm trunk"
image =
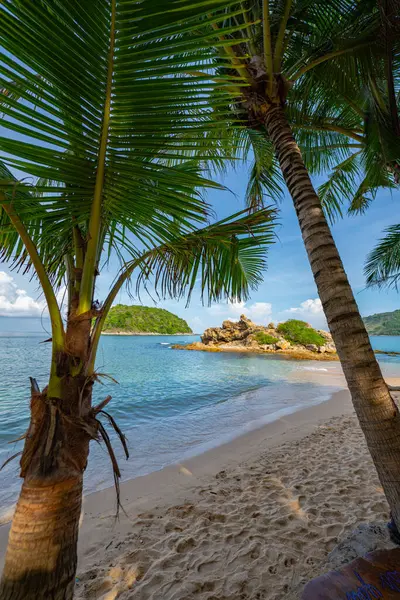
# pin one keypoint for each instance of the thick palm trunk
(42, 548)
(377, 413)
(41, 554)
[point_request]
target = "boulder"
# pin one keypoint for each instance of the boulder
(268, 347)
(245, 323)
(271, 326)
(330, 348)
(229, 332)
(311, 347)
(252, 343)
(210, 335)
(282, 344)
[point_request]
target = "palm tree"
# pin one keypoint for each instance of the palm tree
(293, 60)
(110, 137)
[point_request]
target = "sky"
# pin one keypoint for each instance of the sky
(287, 290)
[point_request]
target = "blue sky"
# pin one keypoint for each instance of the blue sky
(288, 289)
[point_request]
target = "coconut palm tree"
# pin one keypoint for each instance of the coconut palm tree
(109, 138)
(294, 58)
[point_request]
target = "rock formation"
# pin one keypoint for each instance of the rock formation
(244, 333)
(246, 336)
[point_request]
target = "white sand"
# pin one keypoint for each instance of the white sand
(253, 519)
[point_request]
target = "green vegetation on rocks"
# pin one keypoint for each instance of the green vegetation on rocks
(296, 338)
(299, 332)
(264, 338)
(383, 323)
(143, 319)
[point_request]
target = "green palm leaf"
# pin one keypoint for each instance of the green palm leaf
(382, 267)
(228, 261)
(99, 108)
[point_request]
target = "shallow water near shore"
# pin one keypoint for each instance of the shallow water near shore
(171, 404)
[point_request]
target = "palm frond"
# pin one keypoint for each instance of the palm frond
(99, 109)
(226, 259)
(382, 267)
(340, 187)
(330, 52)
(265, 176)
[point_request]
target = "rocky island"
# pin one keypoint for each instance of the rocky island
(295, 339)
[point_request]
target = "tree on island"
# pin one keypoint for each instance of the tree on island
(100, 116)
(144, 319)
(317, 72)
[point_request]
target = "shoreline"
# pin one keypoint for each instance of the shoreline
(203, 509)
(144, 334)
(254, 518)
(175, 481)
(321, 379)
(287, 354)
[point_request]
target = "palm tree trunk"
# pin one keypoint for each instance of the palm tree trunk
(376, 411)
(41, 555)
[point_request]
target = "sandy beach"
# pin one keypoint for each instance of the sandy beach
(253, 519)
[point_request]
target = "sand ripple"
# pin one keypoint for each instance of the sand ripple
(258, 531)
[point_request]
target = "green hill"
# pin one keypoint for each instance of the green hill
(143, 319)
(383, 323)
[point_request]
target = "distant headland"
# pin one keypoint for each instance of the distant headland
(144, 320)
(387, 323)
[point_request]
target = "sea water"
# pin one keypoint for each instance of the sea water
(171, 404)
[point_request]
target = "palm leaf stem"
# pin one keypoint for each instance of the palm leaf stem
(88, 273)
(57, 327)
(231, 89)
(55, 315)
(229, 51)
(268, 45)
(99, 324)
(79, 247)
(251, 44)
(335, 128)
(357, 109)
(377, 94)
(70, 277)
(324, 58)
(280, 40)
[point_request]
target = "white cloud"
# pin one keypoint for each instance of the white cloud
(15, 302)
(310, 310)
(313, 306)
(259, 312)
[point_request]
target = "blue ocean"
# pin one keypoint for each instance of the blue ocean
(171, 404)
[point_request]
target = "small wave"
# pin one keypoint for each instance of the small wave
(313, 369)
(164, 343)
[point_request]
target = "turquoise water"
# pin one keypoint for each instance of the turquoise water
(171, 404)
